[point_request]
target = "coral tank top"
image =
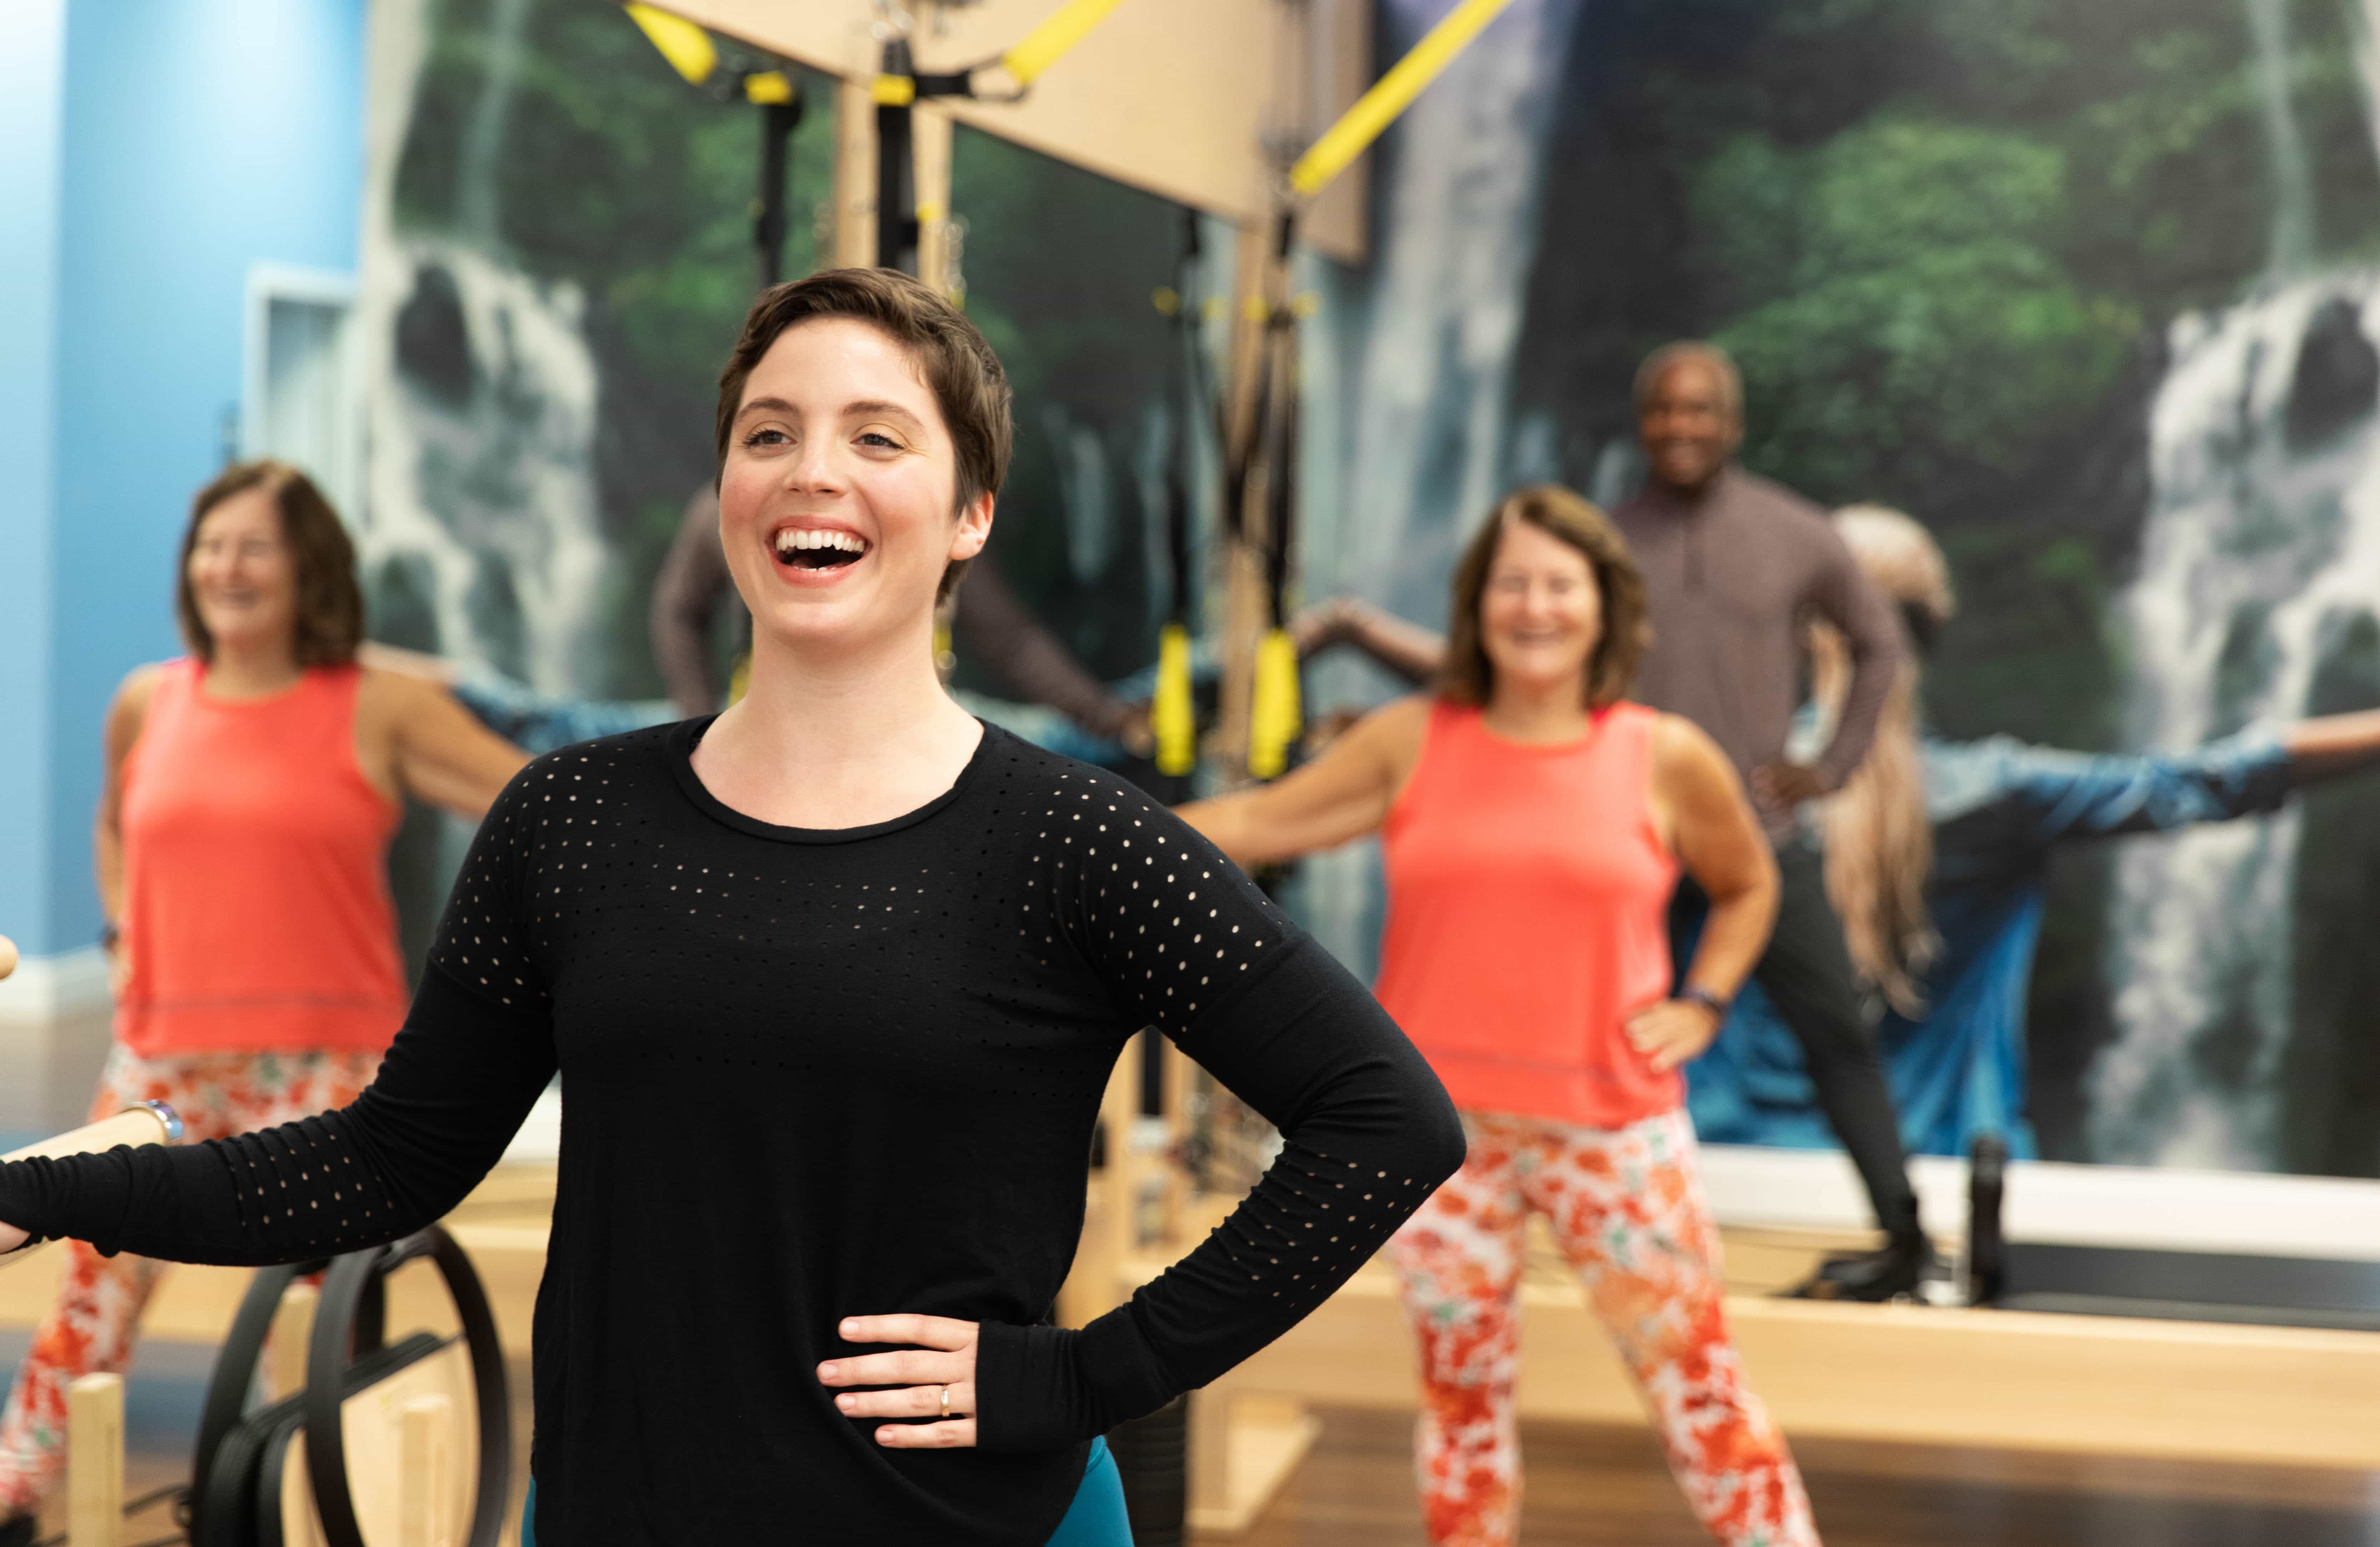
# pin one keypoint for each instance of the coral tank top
(256, 900)
(1528, 897)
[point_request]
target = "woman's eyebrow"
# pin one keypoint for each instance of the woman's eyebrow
(893, 410)
(851, 410)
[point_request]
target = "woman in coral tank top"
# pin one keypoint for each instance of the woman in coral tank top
(1534, 823)
(242, 843)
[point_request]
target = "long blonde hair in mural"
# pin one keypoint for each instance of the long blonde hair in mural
(1879, 844)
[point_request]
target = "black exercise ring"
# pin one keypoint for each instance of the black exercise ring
(346, 1289)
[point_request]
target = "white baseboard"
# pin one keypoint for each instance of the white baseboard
(55, 1017)
(47, 989)
(2092, 1205)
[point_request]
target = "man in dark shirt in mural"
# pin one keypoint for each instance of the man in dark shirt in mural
(1732, 563)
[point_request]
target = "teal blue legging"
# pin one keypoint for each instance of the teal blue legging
(1095, 1518)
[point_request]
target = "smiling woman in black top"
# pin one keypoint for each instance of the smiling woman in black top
(836, 980)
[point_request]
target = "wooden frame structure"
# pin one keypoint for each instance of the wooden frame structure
(1178, 97)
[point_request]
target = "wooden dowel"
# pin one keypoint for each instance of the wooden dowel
(134, 1126)
(425, 1447)
(293, 1331)
(95, 1462)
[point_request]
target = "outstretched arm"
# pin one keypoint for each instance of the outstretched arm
(1411, 652)
(464, 1072)
(2333, 746)
(450, 1095)
(1342, 795)
(991, 622)
(443, 756)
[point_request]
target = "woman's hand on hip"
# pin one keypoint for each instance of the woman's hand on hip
(935, 1380)
(1672, 1032)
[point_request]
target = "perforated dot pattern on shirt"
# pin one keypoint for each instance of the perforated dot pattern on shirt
(1013, 940)
(1314, 1221)
(300, 1183)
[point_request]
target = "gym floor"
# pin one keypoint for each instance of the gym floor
(1607, 1487)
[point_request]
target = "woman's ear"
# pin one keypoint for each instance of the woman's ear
(973, 529)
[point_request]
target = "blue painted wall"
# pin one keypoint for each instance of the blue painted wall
(197, 138)
(32, 87)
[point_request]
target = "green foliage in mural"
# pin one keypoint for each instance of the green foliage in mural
(1906, 317)
(1936, 230)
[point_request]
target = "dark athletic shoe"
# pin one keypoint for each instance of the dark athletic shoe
(1895, 1271)
(16, 1531)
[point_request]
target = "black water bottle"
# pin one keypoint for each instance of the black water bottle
(1987, 1250)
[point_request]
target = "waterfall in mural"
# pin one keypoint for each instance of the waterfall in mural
(483, 533)
(2260, 556)
(1428, 449)
(480, 536)
(1457, 235)
(2261, 552)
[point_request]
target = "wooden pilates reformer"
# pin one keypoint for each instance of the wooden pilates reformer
(2072, 1358)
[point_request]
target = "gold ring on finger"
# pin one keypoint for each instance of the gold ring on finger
(946, 1402)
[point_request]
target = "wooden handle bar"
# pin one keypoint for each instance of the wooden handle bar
(152, 1123)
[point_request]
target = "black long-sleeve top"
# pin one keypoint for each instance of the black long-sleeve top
(815, 1075)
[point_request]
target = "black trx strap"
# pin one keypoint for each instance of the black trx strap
(778, 122)
(1172, 716)
(897, 227)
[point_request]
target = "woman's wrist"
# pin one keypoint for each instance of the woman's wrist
(1708, 999)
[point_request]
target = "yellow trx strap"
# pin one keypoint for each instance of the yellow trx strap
(768, 88)
(1172, 719)
(1391, 95)
(1049, 42)
(687, 47)
(1274, 720)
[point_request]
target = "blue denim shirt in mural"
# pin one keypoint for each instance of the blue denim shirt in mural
(539, 723)
(1999, 809)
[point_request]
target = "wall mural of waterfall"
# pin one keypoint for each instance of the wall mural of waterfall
(2092, 290)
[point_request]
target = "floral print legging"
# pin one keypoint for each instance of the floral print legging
(216, 1095)
(1627, 1206)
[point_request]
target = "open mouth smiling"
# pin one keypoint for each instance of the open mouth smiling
(817, 548)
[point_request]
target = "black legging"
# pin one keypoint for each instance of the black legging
(1807, 973)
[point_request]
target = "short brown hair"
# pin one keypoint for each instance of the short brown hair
(330, 602)
(1470, 676)
(966, 379)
